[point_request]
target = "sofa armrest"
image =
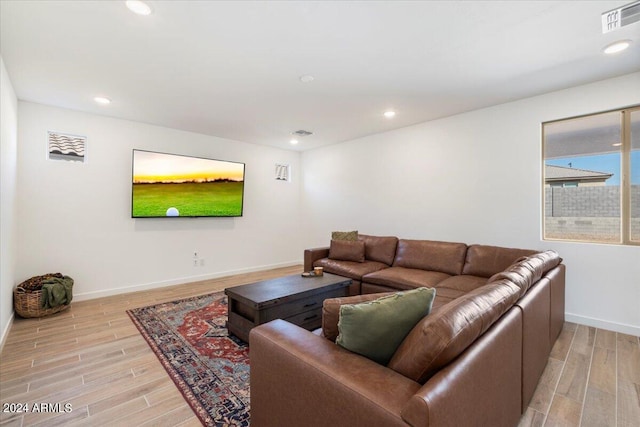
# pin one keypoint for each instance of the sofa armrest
(314, 254)
(331, 311)
(481, 387)
(298, 378)
(556, 277)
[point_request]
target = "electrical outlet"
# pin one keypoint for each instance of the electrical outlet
(195, 262)
(195, 254)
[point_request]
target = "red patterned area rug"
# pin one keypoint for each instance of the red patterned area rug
(210, 368)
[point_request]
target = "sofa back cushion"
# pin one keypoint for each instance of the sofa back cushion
(541, 262)
(379, 248)
(445, 257)
(518, 274)
(441, 336)
(485, 261)
(528, 270)
(347, 250)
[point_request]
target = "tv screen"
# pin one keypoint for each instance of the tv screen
(172, 185)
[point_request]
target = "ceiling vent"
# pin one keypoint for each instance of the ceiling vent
(302, 133)
(623, 16)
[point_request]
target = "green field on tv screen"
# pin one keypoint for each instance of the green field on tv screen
(187, 199)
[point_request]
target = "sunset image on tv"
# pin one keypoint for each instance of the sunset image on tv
(170, 185)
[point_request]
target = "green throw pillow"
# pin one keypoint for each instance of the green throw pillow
(376, 329)
(344, 235)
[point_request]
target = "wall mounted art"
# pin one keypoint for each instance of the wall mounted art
(283, 172)
(66, 147)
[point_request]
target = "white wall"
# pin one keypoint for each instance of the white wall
(475, 178)
(8, 201)
(75, 218)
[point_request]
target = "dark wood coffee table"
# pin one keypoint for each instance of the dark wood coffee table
(295, 299)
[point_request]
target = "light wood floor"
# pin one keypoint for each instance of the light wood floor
(92, 357)
(592, 378)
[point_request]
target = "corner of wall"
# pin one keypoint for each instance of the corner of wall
(8, 198)
(5, 332)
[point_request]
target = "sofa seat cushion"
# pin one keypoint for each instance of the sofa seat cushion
(379, 248)
(350, 269)
(405, 278)
(375, 329)
(370, 288)
(464, 283)
(440, 337)
(439, 302)
(456, 286)
(445, 257)
(485, 261)
(450, 294)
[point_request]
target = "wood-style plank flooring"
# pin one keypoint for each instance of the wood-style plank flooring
(92, 357)
(592, 378)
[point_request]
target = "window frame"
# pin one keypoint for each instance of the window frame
(625, 177)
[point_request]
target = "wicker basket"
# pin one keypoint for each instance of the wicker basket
(27, 303)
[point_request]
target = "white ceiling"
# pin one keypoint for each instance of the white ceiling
(231, 68)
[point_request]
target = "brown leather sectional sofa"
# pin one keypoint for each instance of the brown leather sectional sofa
(475, 360)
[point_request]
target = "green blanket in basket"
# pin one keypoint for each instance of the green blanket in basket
(56, 291)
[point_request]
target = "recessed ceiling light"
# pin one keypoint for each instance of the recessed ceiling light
(389, 114)
(617, 144)
(138, 7)
(306, 78)
(293, 141)
(616, 47)
(102, 100)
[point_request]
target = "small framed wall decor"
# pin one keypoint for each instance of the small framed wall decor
(67, 147)
(283, 172)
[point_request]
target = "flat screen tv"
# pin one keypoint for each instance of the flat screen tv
(172, 185)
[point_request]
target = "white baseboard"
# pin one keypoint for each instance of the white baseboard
(5, 333)
(178, 281)
(603, 324)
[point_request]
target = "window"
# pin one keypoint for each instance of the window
(592, 178)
